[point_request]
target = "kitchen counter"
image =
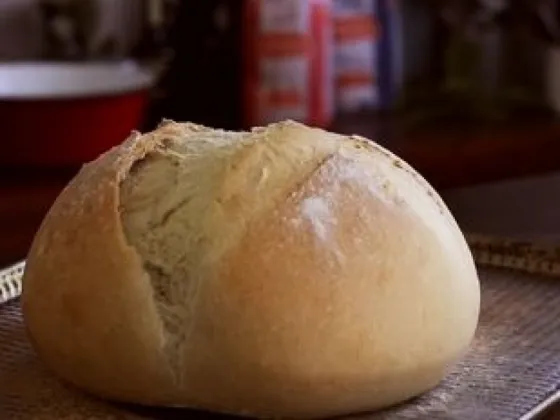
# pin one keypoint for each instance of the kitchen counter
(452, 155)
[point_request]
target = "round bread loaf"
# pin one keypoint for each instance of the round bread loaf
(281, 272)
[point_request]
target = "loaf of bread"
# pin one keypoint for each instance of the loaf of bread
(282, 272)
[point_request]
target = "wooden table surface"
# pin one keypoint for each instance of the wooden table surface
(553, 414)
(448, 156)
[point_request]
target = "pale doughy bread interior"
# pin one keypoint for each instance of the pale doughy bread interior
(284, 272)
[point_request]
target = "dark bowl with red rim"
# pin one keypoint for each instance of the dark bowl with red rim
(65, 114)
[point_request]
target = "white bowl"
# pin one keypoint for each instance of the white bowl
(45, 80)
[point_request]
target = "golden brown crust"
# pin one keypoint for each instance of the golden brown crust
(317, 275)
(329, 322)
(83, 279)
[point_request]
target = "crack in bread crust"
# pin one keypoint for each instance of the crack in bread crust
(186, 204)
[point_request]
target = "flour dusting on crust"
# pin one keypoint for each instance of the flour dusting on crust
(318, 208)
(317, 212)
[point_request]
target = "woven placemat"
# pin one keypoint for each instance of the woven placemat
(513, 366)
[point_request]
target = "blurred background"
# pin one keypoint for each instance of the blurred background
(468, 91)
